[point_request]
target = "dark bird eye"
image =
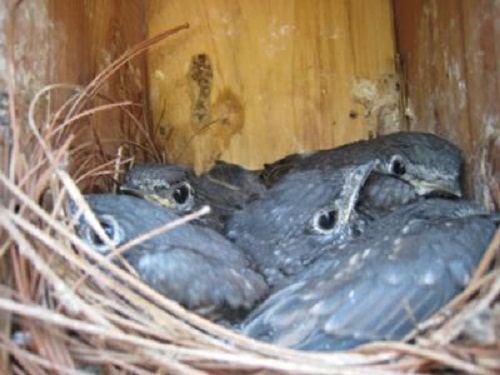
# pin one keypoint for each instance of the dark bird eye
(357, 230)
(111, 229)
(181, 194)
(325, 220)
(95, 239)
(398, 167)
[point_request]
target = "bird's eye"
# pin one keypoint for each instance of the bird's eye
(398, 167)
(324, 221)
(182, 193)
(357, 230)
(112, 230)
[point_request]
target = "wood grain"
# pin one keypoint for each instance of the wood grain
(285, 68)
(71, 42)
(451, 55)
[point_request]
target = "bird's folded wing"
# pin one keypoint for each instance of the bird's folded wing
(383, 294)
(198, 281)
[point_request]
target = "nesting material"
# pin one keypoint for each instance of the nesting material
(67, 309)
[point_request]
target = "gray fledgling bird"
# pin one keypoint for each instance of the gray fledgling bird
(421, 163)
(191, 264)
(403, 268)
(290, 226)
(178, 188)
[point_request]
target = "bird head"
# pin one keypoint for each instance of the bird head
(299, 216)
(167, 185)
(427, 162)
(121, 218)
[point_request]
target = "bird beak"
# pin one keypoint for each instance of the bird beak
(352, 187)
(147, 196)
(124, 189)
(442, 186)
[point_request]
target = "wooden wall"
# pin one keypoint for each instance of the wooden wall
(61, 41)
(450, 53)
(52, 41)
(251, 81)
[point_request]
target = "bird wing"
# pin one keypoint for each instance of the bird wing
(373, 290)
(382, 193)
(197, 281)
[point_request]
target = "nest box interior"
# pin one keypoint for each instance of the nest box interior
(251, 81)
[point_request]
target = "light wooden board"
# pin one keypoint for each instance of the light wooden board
(283, 72)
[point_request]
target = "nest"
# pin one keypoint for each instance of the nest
(68, 310)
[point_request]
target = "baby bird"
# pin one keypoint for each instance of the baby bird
(178, 188)
(190, 264)
(420, 164)
(404, 268)
(291, 225)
